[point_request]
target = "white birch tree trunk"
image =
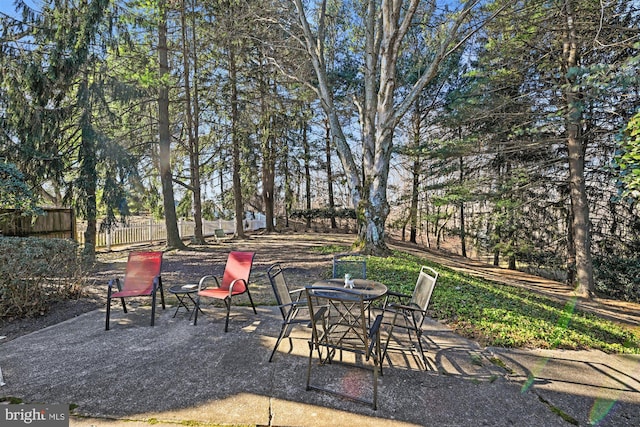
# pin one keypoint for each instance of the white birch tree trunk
(386, 24)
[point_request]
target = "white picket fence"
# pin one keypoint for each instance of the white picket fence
(154, 231)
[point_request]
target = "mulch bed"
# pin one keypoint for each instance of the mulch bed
(294, 251)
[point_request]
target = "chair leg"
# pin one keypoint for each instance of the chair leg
(106, 328)
(309, 365)
(375, 387)
(227, 302)
(280, 337)
(195, 319)
(386, 345)
(124, 306)
(153, 308)
(419, 348)
(378, 353)
(251, 300)
(424, 358)
(161, 292)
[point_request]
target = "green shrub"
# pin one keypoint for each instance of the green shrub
(324, 213)
(618, 278)
(35, 272)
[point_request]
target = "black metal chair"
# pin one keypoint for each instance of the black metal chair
(355, 265)
(339, 320)
(412, 309)
(289, 307)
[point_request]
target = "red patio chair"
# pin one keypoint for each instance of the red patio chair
(142, 278)
(235, 281)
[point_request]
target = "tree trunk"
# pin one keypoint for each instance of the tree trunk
(268, 173)
(373, 209)
(463, 232)
(415, 191)
(268, 139)
(377, 132)
(236, 141)
(288, 192)
(329, 169)
(583, 284)
(171, 220)
(386, 24)
(268, 187)
(88, 175)
(192, 133)
(415, 185)
(307, 172)
(571, 251)
(576, 149)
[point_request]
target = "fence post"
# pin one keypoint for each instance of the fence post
(108, 238)
(74, 225)
(151, 230)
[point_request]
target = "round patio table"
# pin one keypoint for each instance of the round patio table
(368, 289)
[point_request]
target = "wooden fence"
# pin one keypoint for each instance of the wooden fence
(55, 223)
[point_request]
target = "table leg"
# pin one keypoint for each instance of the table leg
(194, 304)
(181, 303)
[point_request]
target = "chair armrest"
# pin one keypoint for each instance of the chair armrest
(291, 309)
(393, 307)
(246, 285)
(294, 303)
(202, 285)
(397, 294)
(293, 293)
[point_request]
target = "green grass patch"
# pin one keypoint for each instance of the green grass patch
(11, 400)
(501, 315)
(331, 249)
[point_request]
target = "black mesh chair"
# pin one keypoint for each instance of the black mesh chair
(289, 303)
(355, 265)
(409, 311)
(340, 323)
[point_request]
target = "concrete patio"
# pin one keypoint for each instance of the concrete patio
(177, 373)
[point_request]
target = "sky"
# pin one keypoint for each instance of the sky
(8, 6)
